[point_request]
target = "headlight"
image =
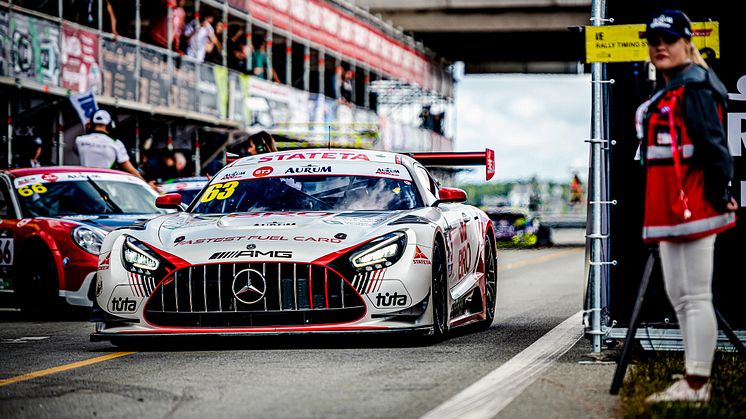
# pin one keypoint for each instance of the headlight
(137, 258)
(89, 239)
(381, 252)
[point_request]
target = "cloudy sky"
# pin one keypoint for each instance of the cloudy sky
(535, 123)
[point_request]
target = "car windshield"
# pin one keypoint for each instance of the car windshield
(86, 197)
(304, 193)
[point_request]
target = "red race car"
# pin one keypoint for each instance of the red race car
(54, 220)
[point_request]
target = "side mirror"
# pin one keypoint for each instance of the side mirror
(169, 201)
(449, 195)
(230, 157)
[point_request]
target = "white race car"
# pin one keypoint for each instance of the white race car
(304, 241)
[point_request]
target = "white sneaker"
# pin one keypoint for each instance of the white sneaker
(680, 391)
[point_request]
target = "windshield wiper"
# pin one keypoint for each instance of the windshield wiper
(105, 196)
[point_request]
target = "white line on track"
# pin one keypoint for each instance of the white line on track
(488, 396)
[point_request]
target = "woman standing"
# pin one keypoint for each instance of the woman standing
(687, 201)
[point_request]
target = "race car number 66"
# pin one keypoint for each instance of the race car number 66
(219, 191)
(26, 191)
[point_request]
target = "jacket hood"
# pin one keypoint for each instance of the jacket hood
(696, 74)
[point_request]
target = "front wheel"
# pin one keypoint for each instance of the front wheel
(440, 293)
(490, 284)
(37, 285)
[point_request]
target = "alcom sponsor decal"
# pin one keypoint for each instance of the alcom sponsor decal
(236, 174)
(279, 254)
(387, 171)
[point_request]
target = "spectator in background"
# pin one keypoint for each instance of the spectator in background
(159, 30)
(86, 13)
(215, 55)
(259, 61)
(101, 149)
(237, 49)
(159, 170)
(203, 40)
(346, 87)
(30, 157)
(576, 190)
(260, 143)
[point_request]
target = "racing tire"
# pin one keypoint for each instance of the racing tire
(440, 294)
(490, 284)
(36, 282)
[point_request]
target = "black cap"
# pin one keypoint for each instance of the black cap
(669, 22)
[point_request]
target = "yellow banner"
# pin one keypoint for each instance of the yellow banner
(625, 43)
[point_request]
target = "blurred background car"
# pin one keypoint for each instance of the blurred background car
(517, 227)
(187, 187)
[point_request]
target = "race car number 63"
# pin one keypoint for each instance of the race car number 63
(26, 191)
(219, 191)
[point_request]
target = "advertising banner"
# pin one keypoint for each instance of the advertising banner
(627, 43)
(35, 49)
(183, 94)
(239, 92)
(4, 44)
(80, 69)
(118, 61)
(208, 90)
(155, 77)
(221, 82)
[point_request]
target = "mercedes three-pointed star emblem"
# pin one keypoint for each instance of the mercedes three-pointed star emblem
(249, 286)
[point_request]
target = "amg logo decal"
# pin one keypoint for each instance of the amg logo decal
(309, 169)
(391, 300)
(281, 254)
(123, 305)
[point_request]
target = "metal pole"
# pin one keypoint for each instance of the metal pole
(10, 132)
(197, 156)
(249, 48)
(224, 38)
(366, 86)
(138, 53)
(322, 70)
(268, 42)
(137, 139)
(306, 68)
(598, 15)
(60, 137)
(289, 60)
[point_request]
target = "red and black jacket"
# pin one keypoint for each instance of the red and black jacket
(686, 117)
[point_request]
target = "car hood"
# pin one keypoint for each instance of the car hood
(300, 236)
(108, 223)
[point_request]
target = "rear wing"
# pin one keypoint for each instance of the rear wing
(458, 158)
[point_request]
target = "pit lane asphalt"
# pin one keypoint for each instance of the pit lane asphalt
(285, 377)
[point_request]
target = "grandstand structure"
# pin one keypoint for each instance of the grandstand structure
(334, 75)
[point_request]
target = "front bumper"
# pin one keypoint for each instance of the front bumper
(80, 297)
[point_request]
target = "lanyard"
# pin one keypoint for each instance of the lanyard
(677, 159)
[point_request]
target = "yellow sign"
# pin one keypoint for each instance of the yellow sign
(626, 43)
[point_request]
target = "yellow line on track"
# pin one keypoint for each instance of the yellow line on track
(61, 368)
(540, 259)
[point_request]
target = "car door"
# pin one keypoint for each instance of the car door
(8, 228)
